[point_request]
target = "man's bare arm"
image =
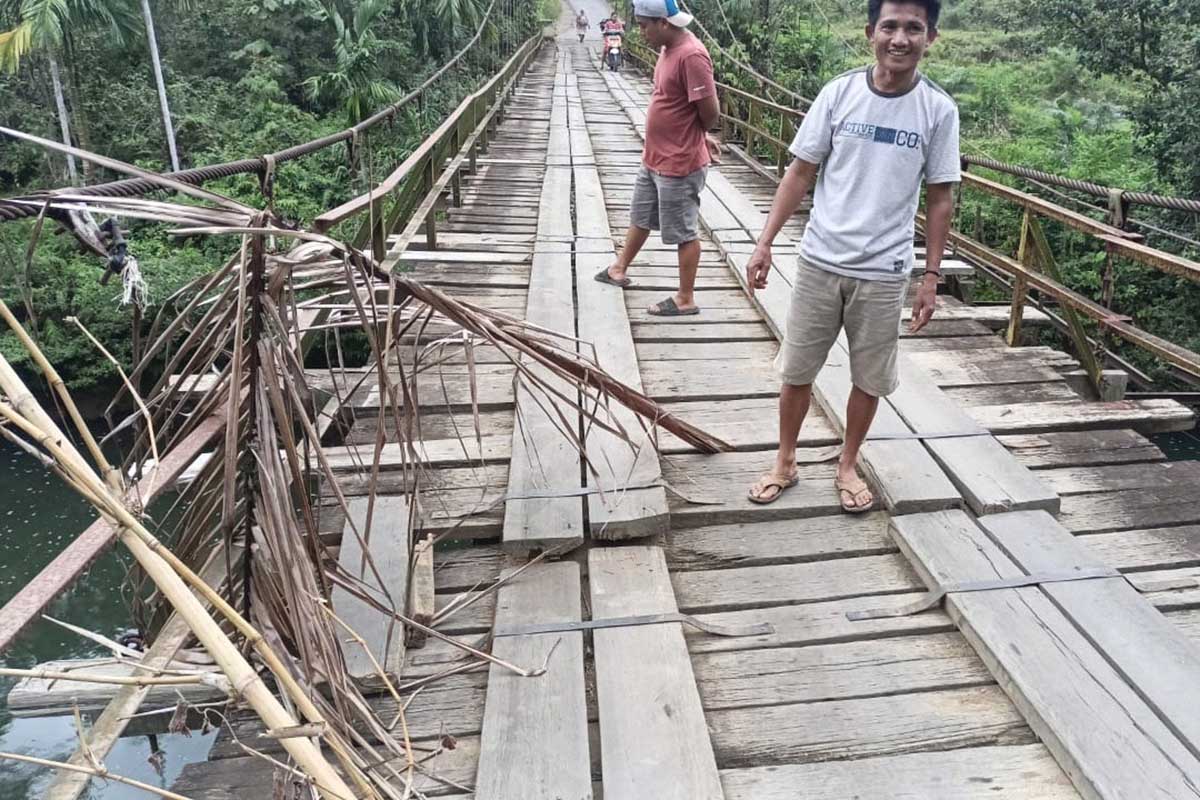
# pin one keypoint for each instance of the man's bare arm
(709, 109)
(796, 183)
(939, 209)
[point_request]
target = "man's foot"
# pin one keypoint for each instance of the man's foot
(669, 308)
(605, 276)
(770, 486)
(853, 493)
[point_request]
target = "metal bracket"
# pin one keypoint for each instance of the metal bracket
(756, 629)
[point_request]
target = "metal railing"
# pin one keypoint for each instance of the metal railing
(762, 126)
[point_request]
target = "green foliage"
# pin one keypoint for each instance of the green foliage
(238, 74)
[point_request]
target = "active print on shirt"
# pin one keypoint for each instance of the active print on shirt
(874, 148)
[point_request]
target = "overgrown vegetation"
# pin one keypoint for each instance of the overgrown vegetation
(1103, 90)
(1098, 89)
(243, 77)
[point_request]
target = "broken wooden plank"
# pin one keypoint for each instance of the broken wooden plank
(377, 559)
(535, 730)
(421, 601)
(653, 737)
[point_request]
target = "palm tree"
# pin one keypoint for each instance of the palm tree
(43, 25)
(356, 80)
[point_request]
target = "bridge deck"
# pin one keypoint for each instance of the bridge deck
(822, 707)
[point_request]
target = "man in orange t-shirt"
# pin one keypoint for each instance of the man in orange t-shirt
(678, 150)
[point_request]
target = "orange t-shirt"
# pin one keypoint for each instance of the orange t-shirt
(674, 134)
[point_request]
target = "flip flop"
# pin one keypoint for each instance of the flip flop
(767, 481)
(667, 308)
(854, 490)
(604, 277)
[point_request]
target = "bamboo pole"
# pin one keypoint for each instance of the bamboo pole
(152, 557)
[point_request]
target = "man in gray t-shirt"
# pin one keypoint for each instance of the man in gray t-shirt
(870, 138)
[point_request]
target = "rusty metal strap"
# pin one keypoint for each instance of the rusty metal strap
(935, 596)
(756, 629)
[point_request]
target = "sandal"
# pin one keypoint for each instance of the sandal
(770, 480)
(667, 308)
(848, 493)
(604, 277)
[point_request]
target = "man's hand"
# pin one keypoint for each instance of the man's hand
(714, 147)
(923, 305)
(757, 268)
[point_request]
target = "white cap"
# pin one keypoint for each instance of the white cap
(664, 9)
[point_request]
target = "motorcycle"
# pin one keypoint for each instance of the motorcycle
(612, 50)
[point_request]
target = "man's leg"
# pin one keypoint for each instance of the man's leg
(643, 218)
(679, 214)
(635, 237)
(872, 320)
(689, 263)
(860, 411)
(794, 402)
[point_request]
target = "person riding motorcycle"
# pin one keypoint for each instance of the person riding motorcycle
(612, 26)
(582, 24)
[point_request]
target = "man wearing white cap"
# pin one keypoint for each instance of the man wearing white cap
(678, 150)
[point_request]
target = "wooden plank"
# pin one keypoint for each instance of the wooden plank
(865, 727)
(988, 476)
(1100, 512)
(1101, 731)
(1081, 448)
(421, 592)
(754, 587)
(720, 483)
(902, 472)
(818, 623)
(544, 459)
(1145, 416)
(1021, 772)
(617, 512)
(653, 737)
(387, 543)
(535, 737)
(759, 543)
(1157, 660)
(1148, 548)
(868, 668)
(1117, 477)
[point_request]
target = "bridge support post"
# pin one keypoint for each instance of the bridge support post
(1020, 288)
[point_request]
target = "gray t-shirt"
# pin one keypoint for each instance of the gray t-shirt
(873, 148)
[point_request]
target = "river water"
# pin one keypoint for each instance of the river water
(39, 516)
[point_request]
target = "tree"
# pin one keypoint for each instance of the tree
(44, 25)
(163, 105)
(357, 80)
(1153, 41)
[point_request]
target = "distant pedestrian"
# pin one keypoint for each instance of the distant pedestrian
(582, 24)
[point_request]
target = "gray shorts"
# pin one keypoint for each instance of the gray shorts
(822, 304)
(668, 204)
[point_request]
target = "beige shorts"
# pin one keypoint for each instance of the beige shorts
(822, 304)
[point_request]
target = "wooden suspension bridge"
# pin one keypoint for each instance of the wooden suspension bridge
(1019, 619)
